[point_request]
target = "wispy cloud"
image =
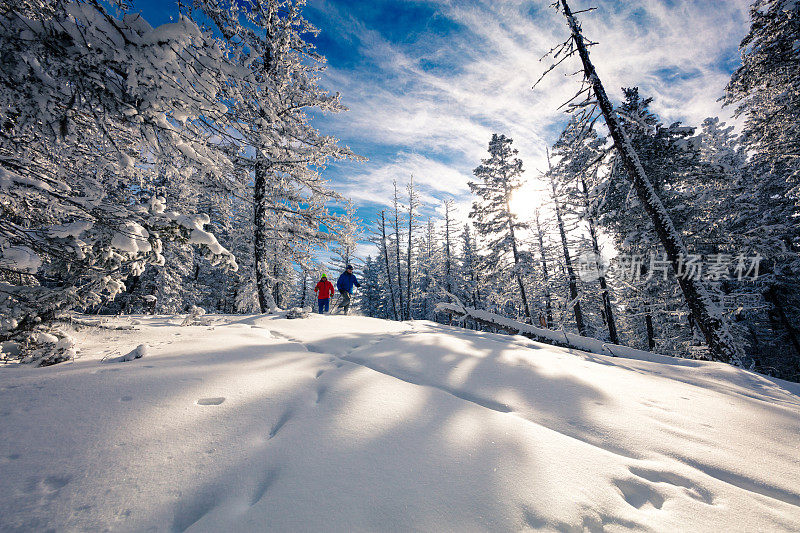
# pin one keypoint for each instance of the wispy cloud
(427, 104)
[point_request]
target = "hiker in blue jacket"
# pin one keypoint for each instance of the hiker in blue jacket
(345, 285)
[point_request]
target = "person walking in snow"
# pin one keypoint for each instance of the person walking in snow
(345, 285)
(324, 290)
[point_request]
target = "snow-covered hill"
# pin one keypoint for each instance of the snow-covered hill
(353, 424)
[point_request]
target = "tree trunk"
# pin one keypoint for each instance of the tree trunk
(305, 289)
(276, 286)
(447, 261)
(515, 252)
(606, 297)
(713, 325)
(397, 253)
(651, 341)
(411, 202)
(261, 264)
(386, 260)
(572, 278)
(774, 299)
(548, 304)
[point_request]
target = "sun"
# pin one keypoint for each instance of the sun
(527, 199)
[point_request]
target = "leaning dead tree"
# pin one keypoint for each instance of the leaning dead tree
(585, 104)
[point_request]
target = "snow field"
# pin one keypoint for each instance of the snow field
(342, 423)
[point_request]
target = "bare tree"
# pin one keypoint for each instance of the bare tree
(386, 260)
(412, 204)
(397, 250)
(448, 261)
(572, 279)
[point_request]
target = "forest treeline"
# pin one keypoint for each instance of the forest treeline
(152, 169)
(730, 199)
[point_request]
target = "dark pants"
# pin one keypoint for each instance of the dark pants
(323, 303)
(344, 303)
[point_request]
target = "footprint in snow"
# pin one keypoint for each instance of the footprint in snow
(126, 398)
(321, 390)
(638, 494)
(48, 486)
(211, 401)
(686, 485)
(9, 458)
(280, 423)
(267, 481)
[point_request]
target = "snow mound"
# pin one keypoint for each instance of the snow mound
(338, 423)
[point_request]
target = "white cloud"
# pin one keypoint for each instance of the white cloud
(674, 51)
(433, 179)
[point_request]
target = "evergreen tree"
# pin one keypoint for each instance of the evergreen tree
(431, 278)
(469, 268)
(494, 221)
(574, 302)
(88, 102)
(372, 301)
(706, 315)
(766, 91)
(413, 203)
(268, 110)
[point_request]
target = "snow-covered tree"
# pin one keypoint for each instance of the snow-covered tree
(373, 300)
(495, 222)
(580, 153)
(413, 204)
(469, 290)
(766, 91)
(706, 314)
(280, 152)
(574, 301)
(431, 278)
(89, 103)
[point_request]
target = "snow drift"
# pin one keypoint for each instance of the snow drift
(354, 424)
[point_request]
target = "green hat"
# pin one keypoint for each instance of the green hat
(324, 276)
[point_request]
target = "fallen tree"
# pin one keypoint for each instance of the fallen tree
(559, 337)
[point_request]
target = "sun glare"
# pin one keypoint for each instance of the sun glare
(526, 199)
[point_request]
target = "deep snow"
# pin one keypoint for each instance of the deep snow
(334, 423)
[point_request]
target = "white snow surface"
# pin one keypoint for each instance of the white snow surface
(344, 423)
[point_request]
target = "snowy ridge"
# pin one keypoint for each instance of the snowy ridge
(342, 423)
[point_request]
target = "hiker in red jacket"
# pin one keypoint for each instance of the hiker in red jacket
(324, 290)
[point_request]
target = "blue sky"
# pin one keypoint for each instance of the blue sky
(428, 82)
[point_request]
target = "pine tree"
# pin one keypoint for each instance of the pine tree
(469, 268)
(494, 221)
(413, 203)
(546, 283)
(766, 91)
(88, 102)
(397, 255)
(430, 280)
(449, 273)
(581, 152)
(572, 279)
(268, 110)
(385, 253)
(372, 296)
